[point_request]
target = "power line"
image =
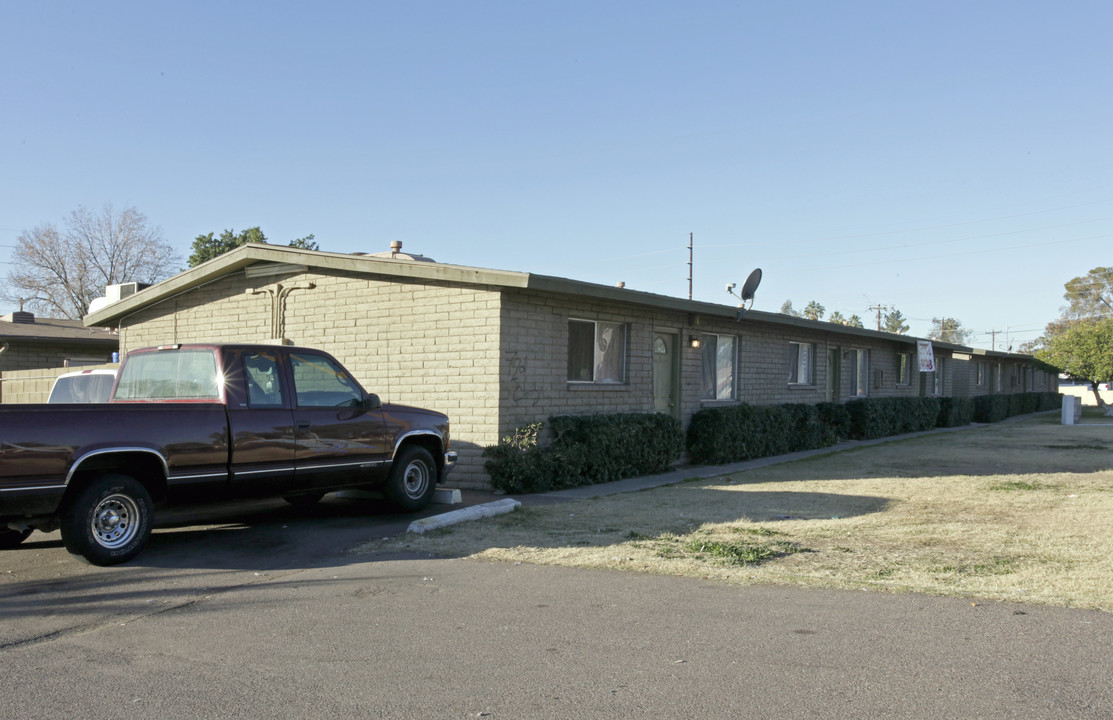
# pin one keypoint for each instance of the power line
(957, 254)
(950, 225)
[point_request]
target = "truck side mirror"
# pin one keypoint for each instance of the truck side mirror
(371, 402)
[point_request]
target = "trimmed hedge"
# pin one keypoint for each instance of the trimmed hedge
(723, 435)
(590, 449)
(955, 412)
(872, 418)
(584, 450)
(739, 432)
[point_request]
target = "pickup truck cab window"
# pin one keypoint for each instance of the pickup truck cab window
(179, 374)
(262, 376)
(321, 382)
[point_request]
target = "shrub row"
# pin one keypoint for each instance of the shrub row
(995, 408)
(741, 432)
(584, 450)
(590, 449)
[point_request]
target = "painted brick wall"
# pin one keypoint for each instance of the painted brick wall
(24, 355)
(534, 359)
(534, 362)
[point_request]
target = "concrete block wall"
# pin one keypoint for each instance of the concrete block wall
(534, 359)
(764, 365)
(534, 368)
(28, 355)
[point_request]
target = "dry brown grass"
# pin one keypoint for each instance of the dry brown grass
(1019, 511)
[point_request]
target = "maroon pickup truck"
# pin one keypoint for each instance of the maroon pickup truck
(208, 422)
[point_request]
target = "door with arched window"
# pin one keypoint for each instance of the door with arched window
(666, 371)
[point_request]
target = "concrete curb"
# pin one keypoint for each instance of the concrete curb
(475, 512)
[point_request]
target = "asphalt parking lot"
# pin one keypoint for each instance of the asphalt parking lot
(258, 610)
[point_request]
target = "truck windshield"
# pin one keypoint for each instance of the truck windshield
(186, 374)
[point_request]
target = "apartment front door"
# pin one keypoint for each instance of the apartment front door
(832, 374)
(666, 372)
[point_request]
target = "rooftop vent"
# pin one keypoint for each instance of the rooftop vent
(20, 317)
(395, 253)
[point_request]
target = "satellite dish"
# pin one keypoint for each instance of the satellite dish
(750, 286)
(748, 290)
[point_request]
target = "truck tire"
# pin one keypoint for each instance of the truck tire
(413, 478)
(109, 521)
(10, 538)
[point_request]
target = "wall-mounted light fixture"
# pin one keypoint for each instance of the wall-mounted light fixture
(693, 341)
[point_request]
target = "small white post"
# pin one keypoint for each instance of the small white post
(1072, 410)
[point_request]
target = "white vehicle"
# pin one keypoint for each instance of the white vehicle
(83, 386)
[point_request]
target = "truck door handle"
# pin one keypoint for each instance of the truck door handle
(303, 425)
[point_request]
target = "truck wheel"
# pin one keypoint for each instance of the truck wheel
(10, 538)
(413, 478)
(109, 521)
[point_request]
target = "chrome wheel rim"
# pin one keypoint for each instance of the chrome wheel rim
(115, 521)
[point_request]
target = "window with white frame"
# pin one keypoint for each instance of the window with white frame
(904, 368)
(859, 382)
(596, 352)
(719, 353)
(1000, 384)
(801, 365)
(981, 374)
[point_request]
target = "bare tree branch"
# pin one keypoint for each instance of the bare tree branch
(59, 274)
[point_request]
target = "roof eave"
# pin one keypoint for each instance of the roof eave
(246, 255)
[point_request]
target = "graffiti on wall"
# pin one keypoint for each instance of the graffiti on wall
(517, 375)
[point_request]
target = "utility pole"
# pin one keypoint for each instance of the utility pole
(879, 308)
(690, 265)
(992, 338)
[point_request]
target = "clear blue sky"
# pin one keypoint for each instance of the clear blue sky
(946, 158)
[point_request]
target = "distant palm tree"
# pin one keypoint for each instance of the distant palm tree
(814, 311)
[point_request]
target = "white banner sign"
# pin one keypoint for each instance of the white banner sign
(925, 355)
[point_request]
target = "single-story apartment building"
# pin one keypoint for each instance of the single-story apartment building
(496, 350)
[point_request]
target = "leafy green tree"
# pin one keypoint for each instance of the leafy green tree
(814, 311)
(1089, 296)
(207, 247)
(894, 322)
(305, 243)
(1084, 351)
(949, 330)
(787, 309)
